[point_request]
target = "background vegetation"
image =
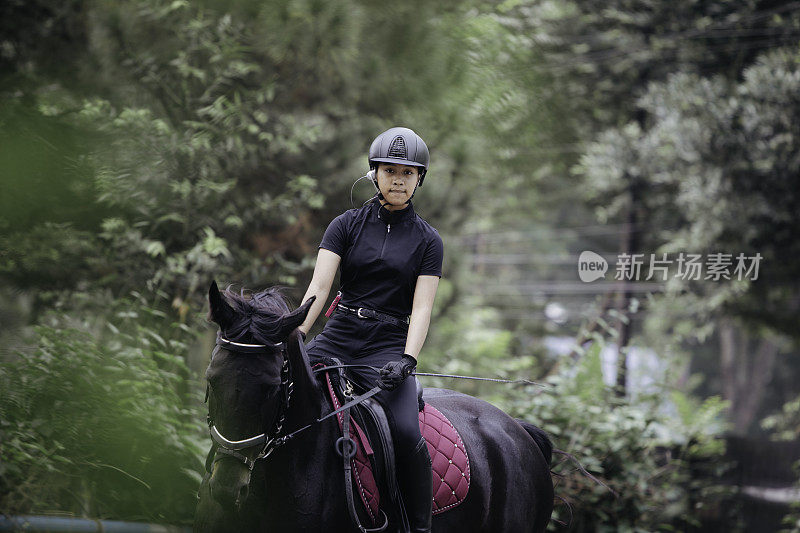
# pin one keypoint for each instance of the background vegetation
(150, 146)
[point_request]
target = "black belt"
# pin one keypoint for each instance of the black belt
(363, 312)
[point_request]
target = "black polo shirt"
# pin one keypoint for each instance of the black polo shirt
(382, 254)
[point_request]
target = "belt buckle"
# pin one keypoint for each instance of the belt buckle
(358, 313)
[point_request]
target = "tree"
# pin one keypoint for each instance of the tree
(720, 155)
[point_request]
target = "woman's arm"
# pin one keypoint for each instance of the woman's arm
(421, 309)
(320, 286)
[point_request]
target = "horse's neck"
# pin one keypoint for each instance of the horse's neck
(307, 461)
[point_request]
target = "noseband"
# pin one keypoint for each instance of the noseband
(270, 439)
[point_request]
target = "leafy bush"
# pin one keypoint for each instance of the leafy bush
(92, 424)
(648, 450)
(784, 425)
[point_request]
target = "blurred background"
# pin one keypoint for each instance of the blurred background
(148, 147)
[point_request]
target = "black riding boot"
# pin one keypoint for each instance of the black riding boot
(416, 487)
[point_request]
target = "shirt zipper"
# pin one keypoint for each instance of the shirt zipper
(385, 238)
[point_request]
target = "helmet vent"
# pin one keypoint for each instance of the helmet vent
(398, 148)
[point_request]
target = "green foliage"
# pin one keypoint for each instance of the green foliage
(245, 122)
(784, 425)
(50, 256)
(472, 344)
(94, 425)
(152, 145)
(791, 522)
(647, 451)
(659, 452)
(711, 185)
(44, 171)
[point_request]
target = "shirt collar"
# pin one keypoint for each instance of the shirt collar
(393, 217)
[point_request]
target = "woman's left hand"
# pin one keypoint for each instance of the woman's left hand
(394, 372)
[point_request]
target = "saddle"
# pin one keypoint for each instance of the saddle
(372, 464)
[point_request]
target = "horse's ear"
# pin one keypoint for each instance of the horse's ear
(218, 309)
(290, 321)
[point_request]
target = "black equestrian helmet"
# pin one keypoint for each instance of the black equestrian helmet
(402, 146)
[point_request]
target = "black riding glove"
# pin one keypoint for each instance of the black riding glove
(394, 372)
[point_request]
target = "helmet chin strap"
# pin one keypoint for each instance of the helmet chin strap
(413, 192)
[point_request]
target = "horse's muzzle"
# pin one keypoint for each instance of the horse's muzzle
(229, 485)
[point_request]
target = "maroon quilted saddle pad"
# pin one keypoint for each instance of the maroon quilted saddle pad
(449, 460)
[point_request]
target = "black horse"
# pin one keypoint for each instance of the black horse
(299, 486)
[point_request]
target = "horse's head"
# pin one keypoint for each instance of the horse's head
(247, 383)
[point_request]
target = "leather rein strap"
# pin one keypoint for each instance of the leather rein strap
(346, 448)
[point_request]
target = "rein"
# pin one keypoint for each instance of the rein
(270, 440)
(431, 374)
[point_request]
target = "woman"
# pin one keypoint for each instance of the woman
(391, 261)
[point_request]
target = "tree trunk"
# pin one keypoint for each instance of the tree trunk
(746, 372)
(763, 363)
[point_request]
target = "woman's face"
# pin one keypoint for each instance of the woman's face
(397, 183)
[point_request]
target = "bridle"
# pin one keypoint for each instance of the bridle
(268, 440)
(271, 440)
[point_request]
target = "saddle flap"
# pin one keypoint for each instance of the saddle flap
(449, 459)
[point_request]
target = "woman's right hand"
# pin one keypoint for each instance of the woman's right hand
(394, 373)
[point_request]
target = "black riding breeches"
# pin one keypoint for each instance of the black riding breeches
(401, 406)
(346, 338)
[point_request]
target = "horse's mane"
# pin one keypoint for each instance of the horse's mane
(258, 315)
